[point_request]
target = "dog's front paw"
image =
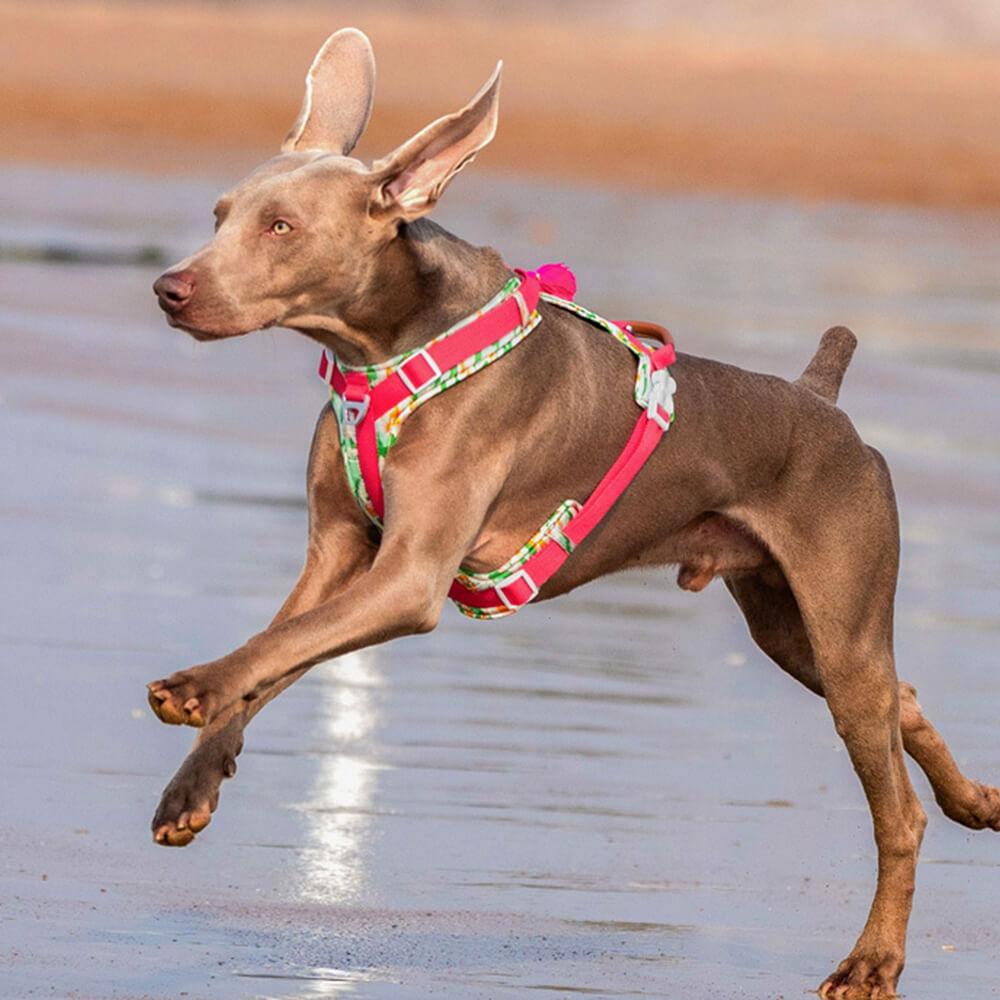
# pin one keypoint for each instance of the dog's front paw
(182, 699)
(188, 802)
(196, 696)
(864, 976)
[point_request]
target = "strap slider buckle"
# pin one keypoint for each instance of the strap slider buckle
(660, 399)
(419, 370)
(327, 366)
(512, 593)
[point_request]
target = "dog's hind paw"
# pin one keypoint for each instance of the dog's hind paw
(978, 807)
(864, 977)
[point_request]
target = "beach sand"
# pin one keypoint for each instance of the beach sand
(800, 102)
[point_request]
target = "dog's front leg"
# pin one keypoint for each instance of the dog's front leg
(402, 593)
(434, 514)
(340, 550)
(188, 801)
(338, 554)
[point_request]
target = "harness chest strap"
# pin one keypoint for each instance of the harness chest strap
(406, 383)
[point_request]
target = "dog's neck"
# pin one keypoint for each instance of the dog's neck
(424, 281)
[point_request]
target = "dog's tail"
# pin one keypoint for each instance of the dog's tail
(825, 372)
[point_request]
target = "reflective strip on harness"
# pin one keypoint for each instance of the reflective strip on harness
(365, 396)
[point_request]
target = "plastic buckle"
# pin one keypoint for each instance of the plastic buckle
(508, 602)
(661, 397)
(355, 409)
(432, 368)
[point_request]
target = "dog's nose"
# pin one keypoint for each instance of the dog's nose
(174, 290)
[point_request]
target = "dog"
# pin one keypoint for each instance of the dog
(760, 481)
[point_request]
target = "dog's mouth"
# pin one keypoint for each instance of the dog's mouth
(199, 333)
(204, 334)
(211, 317)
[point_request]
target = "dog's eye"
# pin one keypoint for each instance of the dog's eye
(280, 227)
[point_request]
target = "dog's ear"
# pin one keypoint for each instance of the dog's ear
(340, 87)
(409, 181)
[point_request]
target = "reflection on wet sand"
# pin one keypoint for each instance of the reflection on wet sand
(316, 982)
(334, 861)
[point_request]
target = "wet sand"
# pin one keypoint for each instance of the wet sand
(881, 102)
(611, 795)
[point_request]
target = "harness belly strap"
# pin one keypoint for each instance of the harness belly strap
(371, 402)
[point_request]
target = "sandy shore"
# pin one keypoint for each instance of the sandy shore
(167, 86)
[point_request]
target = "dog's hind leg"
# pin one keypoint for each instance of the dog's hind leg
(857, 672)
(961, 799)
(838, 548)
(775, 622)
(850, 628)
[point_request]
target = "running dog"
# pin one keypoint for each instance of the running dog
(514, 400)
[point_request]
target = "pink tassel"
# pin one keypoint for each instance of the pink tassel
(557, 279)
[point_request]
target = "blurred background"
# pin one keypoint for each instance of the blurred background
(614, 794)
(889, 101)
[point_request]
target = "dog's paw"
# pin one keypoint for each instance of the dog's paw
(978, 808)
(864, 976)
(177, 701)
(188, 802)
(187, 698)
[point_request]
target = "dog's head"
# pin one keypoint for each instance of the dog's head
(297, 241)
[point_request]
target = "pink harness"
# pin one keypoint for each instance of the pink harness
(363, 397)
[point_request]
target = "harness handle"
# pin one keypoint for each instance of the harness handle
(652, 331)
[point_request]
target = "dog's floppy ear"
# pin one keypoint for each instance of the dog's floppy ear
(409, 181)
(340, 87)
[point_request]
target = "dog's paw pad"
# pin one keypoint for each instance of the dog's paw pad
(176, 701)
